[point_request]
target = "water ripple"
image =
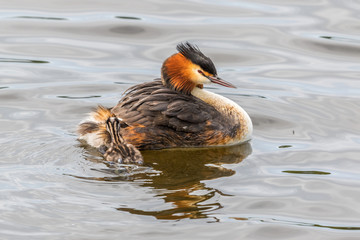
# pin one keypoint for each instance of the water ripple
(296, 66)
(41, 18)
(277, 220)
(12, 60)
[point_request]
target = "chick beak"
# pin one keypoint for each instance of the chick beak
(217, 80)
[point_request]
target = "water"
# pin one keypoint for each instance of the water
(296, 66)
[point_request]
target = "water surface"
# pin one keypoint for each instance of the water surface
(296, 66)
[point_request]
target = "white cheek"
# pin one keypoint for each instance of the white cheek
(200, 78)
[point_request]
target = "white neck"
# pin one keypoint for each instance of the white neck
(228, 108)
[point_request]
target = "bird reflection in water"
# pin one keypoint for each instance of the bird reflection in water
(177, 176)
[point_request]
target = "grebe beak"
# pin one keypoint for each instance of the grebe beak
(220, 81)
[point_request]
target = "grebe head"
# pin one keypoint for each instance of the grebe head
(188, 69)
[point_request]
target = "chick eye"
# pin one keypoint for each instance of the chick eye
(201, 72)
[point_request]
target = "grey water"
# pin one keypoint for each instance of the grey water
(296, 65)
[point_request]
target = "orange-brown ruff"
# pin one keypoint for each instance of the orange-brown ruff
(174, 111)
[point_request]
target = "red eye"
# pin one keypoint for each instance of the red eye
(199, 71)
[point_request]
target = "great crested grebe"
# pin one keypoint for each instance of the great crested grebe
(172, 112)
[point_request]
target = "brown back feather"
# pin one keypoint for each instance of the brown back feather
(168, 118)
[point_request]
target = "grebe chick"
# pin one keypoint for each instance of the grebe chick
(118, 150)
(174, 111)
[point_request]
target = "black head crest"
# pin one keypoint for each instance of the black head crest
(193, 53)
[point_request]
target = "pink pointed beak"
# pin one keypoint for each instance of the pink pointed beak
(220, 81)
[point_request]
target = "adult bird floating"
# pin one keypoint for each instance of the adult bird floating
(173, 112)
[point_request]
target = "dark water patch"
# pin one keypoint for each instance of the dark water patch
(3, 87)
(297, 223)
(285, 146)
(14, 60)
(246, 95)
(252, 95)
(128, 17)
(341, 39)
(121, 83)
(336, 227)
(69, 97)
(42, 18)
(306, 172)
